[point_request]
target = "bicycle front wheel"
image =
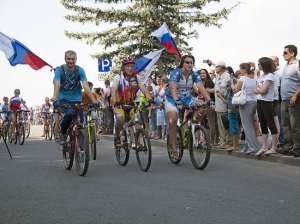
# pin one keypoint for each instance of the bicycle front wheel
(21, 134)
(92, 141)
(200, 148)
(179, 147)
(68, 154)
(122, 153)
(143, 149)
(82, 153)
(49, 127)
(27, 130)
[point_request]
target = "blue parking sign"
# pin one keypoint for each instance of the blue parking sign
(104, 65)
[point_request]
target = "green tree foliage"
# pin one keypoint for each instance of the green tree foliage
(133, 23)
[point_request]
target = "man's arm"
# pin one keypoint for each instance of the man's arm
(295, 96)
(145, 91)
(56, 85)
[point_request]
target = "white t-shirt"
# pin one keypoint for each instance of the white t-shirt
(277, 79)
(249, 86)
(269, 95)
(221, 86)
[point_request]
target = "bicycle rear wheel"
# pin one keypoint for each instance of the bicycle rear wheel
(21, 134)
(179, 147)
(82, 154)
(200, 149)
(122, 153)
(92, 142)
(68, 154)
(143, 149)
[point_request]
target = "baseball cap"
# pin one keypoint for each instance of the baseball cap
(221, 64)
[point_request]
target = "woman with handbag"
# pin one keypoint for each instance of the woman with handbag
(248, 110)
(265, 105)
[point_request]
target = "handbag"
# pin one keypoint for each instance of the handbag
(239, 98)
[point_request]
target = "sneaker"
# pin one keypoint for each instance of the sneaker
(117, 142)
(56, 137)
(13, 136)
(62, 139)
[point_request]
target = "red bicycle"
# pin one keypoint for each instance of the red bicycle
(76, 143)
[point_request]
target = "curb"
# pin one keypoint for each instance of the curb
(276, 158)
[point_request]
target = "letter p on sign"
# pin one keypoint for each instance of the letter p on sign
(104, 65)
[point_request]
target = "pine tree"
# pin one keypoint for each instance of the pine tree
(132, 25)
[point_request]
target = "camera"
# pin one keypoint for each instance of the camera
(207, 61)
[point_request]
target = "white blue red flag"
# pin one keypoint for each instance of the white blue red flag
(164, 36)
(146, 63)
(17, 53)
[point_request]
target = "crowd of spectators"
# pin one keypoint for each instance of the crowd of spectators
(272, 105)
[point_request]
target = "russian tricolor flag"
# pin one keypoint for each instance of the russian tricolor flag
(164, 36)
(146, 63)
(17, 53)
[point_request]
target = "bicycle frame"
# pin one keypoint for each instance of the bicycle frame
(131, 123)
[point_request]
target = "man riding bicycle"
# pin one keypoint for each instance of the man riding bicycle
(67, 90)
(124, 89)
(178, 92)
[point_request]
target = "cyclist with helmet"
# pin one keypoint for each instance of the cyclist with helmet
(181, 82)
(124, 89)
(69, 91)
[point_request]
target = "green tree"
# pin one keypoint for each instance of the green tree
(134, 22)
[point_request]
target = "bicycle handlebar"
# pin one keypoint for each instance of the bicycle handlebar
(140, 107)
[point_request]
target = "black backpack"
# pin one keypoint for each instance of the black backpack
(63, 77)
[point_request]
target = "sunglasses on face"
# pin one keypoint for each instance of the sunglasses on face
(17, 92)
(189, 62)
(285, 52)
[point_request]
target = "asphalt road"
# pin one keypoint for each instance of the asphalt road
(35, 188)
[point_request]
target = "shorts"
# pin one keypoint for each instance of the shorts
(145, 114)
(170, 104)
(121, 113)
(275, 105)
(233, 119)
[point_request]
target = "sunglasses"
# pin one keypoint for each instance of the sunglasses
(189, 62)
(285, 52)
(17, 92)
(210, 73)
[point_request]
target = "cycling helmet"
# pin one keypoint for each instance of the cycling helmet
(128, 60)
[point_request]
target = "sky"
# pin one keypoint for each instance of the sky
(255, 28)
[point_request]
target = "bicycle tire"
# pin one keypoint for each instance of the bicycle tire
(200, 151)
(82, 154)
(92, 142)
(9, 135)
(27, 130)
(179, 147)
(122, 153)
(143, 152)
(21, 134)
(68, 154)
(49, 133)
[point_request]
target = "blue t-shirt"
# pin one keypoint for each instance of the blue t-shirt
(68, 91)
(183, 87)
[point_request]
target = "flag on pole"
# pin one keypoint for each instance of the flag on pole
(164, 36)
(146, 63)
(17, 53)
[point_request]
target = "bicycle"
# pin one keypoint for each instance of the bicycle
(20, 130)
(5, 125)
(91, 132)
(76, 143)
(27, 127)
(48, 125)
(195, 138)
(129, 133)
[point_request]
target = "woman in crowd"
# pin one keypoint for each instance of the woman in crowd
(45, 113)
(265, 104)
(248, 110)
(210, 113)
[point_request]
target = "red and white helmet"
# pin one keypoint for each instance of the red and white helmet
(128, 60)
